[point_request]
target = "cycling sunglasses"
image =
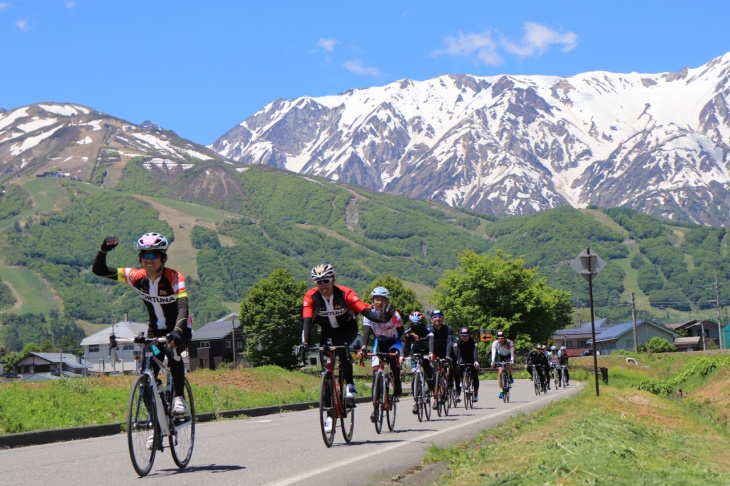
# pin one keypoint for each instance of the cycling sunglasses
(324, 281)
(464, 335)
(150, 256)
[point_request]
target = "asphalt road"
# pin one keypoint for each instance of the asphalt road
(281, 449)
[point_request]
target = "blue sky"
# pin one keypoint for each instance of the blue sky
(199, 68)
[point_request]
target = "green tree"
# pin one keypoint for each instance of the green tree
(403, 299)
(497, 292)
(659, 345)
(31, 348)
(10, 360)
(271, 318)
(46, 346)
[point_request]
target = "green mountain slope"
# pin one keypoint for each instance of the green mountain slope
(233, 226)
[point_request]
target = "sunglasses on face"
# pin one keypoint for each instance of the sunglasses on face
(324, 281)
(150, 256)
(464, 335)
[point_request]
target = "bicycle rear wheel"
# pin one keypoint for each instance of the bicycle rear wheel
(327, 409)
(427, 397)
(378, 400)
(446, 395)
(536, 381)
(182, 439)
(141, 423)
(392, 405)
(438, 395)
(556, 378)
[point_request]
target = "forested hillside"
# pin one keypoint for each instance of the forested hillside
(282, 220)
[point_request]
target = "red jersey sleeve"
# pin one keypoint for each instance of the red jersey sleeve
(353, 302)
(308, 305)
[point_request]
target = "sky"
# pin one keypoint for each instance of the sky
(199, 68)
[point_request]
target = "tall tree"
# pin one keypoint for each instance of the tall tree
(496, 292)
(271, 319)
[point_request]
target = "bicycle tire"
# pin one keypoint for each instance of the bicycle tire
(536, 381)
(182, 440)
(392, 404)
(418, 395)
(564, 378)
(327, 408)
(438, 394)
(427, 397)
(446, 395)
(505, 386)
(378, 400)
(556, 378)
(141, 421)
(467, 389)
(347, 420)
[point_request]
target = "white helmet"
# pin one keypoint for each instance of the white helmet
(152, 241)
(322, 271)
(380, 292)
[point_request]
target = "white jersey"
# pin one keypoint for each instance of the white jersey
(506, 350)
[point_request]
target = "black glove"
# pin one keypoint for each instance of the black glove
(109, 243)
(174, 336)
(301, 352)
(150, 332)
(388, 311)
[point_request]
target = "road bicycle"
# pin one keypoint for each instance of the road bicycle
(536, 379)
(421, 392)
(149, 416)
(556, 376)
(333, 404)
(504, 379)
(467, 387)
(563, 375)
(441, 389)
(385, 403)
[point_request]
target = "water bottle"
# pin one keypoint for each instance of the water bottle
(156, 351)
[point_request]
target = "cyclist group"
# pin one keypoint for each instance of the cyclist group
(334, 308)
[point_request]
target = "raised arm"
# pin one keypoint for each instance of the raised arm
(100, 267)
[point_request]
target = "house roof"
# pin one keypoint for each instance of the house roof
(618, 330)
(687, 341)
(217, 329)
(124, 329)
(69, 360)
(600, 325)
(689, 324)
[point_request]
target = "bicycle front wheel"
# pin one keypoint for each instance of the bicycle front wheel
(505, 386)
(467, 389)
(378, 400)
(536, 382)
(418, 395)
(327, 414)
(446, 394)
(347, 418)
(427, 397)
(183, 437)
(142, 428)
(556, 378)
(392, 405)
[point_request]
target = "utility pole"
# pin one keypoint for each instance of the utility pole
(233, 334)
(717, 307)
(633, 318)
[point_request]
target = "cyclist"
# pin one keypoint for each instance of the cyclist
(552, 357)
(466, 352)
(563, 361)
(164, 294)
(334, 308)
(537, 362)
(443, 347)
(387, 338)
(504, 349)
(418, 334)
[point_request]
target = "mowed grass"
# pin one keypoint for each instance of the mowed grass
(625, 436)
(37, 296)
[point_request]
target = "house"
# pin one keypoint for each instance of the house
(213, 343)
(99, 357)
(621, 336)
(50, 366)
(693, 332)
(576, 339)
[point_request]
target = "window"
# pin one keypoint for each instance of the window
(228, 345)
(239, 345)
(127, 347)
(204, 344)
(582, 344)
(93, 348)
(630, 343)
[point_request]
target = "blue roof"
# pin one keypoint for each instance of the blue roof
(217, 329)
(614, 332)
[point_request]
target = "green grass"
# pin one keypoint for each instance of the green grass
(624, 436)
(36, 294)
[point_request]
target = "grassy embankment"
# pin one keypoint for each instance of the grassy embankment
(627, 435)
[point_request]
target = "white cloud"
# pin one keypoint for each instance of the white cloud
(538, 39)
(327, 44)
(481, 46)
(70, 4)
(356, 66)
(485, 47)
(23, 25)
(4, 6)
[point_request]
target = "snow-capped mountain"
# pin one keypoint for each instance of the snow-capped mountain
(515, 144)
(84, 144)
